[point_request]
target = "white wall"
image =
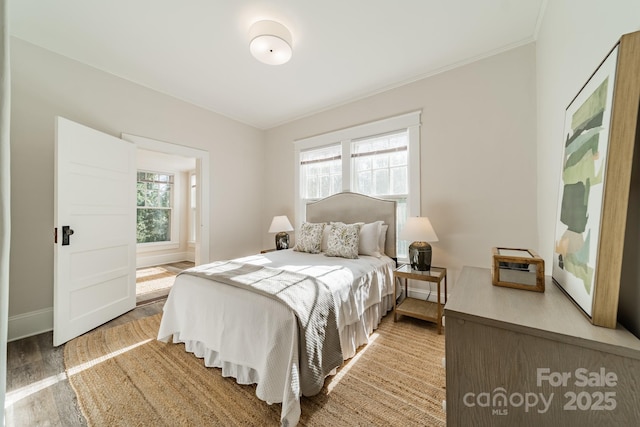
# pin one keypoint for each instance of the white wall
(574, 38)
(490, 157)
(478, 155)
(45, 85)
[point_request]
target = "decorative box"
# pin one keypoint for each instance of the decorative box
(517, 268)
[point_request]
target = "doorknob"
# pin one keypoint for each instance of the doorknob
(66, 233)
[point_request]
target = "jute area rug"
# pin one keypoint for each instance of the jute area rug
(123, 376)
(153, 283)
(153, 278)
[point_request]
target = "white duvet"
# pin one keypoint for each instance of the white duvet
(255, 339)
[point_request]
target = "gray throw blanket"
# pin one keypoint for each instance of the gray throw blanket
(311, 301)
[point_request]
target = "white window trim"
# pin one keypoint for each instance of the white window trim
(156, 246)
(191, 223)
(408, 121)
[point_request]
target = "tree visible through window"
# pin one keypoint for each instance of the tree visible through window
(154, 201)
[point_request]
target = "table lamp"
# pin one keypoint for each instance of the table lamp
(420, 230)
(280, 225)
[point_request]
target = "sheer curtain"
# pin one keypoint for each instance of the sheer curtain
(5, 208)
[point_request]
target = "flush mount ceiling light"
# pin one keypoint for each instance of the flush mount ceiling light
(270, 42)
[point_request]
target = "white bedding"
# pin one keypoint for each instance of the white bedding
(255, 339)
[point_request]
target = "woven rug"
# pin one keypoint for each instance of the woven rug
(154, 282)
(123, 376)
(153, 279)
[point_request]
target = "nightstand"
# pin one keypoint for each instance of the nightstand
(413, 307)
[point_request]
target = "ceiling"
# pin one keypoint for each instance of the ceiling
(343, 50)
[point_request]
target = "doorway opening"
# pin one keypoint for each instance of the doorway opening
(94, 187)
(172, 201)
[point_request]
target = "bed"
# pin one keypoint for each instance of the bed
(257, 339)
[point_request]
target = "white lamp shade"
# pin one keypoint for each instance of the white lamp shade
(280, 223)
(418, 229)
(270, 42)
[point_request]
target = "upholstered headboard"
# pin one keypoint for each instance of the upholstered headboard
(350, 207)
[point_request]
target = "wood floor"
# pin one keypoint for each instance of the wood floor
(38, 391)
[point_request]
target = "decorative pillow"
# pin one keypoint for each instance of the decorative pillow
(343, 240)
(369, 239)
(309, 237)
(382, 240)
(325, 234)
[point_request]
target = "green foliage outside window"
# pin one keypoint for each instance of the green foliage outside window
(154, 200)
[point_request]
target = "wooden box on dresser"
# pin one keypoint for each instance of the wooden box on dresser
(517, 358)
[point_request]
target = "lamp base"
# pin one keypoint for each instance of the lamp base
(420, 256)
(282, 240)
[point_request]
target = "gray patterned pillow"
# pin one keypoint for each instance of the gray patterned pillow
(309, 238)
(343, 240)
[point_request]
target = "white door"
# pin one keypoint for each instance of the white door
(95, 196)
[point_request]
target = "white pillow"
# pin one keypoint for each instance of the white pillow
(369, 239)
(382, 240)
(325, 238)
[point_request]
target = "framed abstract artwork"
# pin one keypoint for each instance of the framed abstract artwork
(597, 159)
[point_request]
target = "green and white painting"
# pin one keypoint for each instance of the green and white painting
(584, 161)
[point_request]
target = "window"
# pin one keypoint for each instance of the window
(380, 165)
(372, 159)
(155, 205)
(192, 207)
(321, 172)
(380, 168)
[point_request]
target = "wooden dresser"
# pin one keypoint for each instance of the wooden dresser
(521, 358)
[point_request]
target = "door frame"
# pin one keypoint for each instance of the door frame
(202, 174)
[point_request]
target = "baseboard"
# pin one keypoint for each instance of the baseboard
(40, 321)
(150, 261)
(29, 324)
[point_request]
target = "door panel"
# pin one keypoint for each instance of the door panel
(94, 278)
